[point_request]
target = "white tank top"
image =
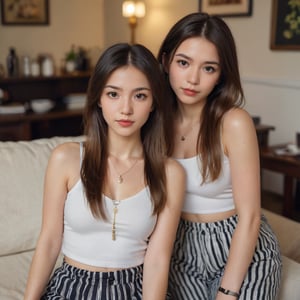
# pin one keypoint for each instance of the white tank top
(89, 240)
(209, 197)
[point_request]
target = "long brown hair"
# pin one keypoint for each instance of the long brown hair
(94, 164)
(227, 94)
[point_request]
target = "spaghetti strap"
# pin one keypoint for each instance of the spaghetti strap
(81, 152)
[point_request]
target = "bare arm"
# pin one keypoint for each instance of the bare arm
(157, 260)
(240, 141)
(50, 238)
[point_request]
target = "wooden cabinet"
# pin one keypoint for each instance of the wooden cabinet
(58, 122)
(262, 132)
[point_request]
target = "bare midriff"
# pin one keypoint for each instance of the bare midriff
(79, 265)
(208, 218)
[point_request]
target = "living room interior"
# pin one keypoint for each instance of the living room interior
(270, 78)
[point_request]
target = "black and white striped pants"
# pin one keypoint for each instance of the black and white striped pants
(200, 254)
(71, 283)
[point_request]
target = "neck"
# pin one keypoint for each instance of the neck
(189, 113)
(125, 148)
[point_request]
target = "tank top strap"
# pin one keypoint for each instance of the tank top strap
(81, 152)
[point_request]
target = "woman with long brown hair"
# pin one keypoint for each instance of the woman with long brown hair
(224, 248)
(110, 203)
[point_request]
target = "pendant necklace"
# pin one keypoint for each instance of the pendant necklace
(115, 211)
(184, 136)
(120, 175)
(117, 202)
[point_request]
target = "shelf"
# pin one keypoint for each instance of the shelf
(59, 76)
(30, 117)
(58, 122)
(24, 89)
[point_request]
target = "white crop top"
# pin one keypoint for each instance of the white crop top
(210, 197)
(89, 240)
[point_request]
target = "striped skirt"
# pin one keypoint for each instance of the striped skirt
(200, 255)
(71, 283)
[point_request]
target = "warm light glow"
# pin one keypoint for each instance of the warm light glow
(140, 9)
(128, 9)
(133, 9)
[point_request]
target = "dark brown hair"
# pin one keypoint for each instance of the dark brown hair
(94, 164)
(227, 94)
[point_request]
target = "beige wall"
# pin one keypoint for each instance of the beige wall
(75, 22)
(160, 16)
(271, 79)
(252, 35)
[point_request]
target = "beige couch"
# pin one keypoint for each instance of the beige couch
(22, 166)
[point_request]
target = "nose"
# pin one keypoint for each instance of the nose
(194, 76)
(127, 108)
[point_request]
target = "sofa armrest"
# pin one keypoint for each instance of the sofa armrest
(287, 232)
(290, 280)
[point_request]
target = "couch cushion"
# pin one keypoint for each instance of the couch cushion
(22, 168)
(13, 282)
(287, 232)
(13, 274)
(290, 281)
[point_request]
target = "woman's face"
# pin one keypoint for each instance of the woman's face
(126, 101)
(194, 70)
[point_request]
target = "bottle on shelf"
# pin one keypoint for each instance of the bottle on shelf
(82, 62)
(12, 63)
(35, 68)
(26, 66)
(47, 66)
(70, 65)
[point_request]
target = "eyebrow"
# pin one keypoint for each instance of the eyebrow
(188, 58)
(118, 88)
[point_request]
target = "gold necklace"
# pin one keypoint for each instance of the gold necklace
(184, 136)
(117, 202)
(120, 175)
(115, 210)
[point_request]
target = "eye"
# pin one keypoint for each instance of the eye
(112, 94)
(209, 69)
(140, 96)
(182, 62)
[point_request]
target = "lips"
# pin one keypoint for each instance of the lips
(189, 92)
(125, 123)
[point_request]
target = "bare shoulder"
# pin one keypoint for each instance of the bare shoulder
(237, 118)
(66, 155)
(64, 163)
(66, 151)
(237, 124)
(238, 131)
(174, 169)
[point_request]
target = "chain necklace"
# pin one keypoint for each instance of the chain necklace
(115, 211)
(120, 175)
(116, 203)
(187, 133)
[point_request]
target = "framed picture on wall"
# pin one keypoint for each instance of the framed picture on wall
(24, 12)
(285, 25)
(226, 8)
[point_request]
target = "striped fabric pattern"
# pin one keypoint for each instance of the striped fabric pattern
(71, 283)
(200, 255)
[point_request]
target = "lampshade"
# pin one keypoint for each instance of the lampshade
(133, 9)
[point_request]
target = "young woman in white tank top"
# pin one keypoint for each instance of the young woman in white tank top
(224, 248)
(110, 203)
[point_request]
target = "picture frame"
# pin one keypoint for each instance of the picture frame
(19, 12)
(226, 8)
(285, 26)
